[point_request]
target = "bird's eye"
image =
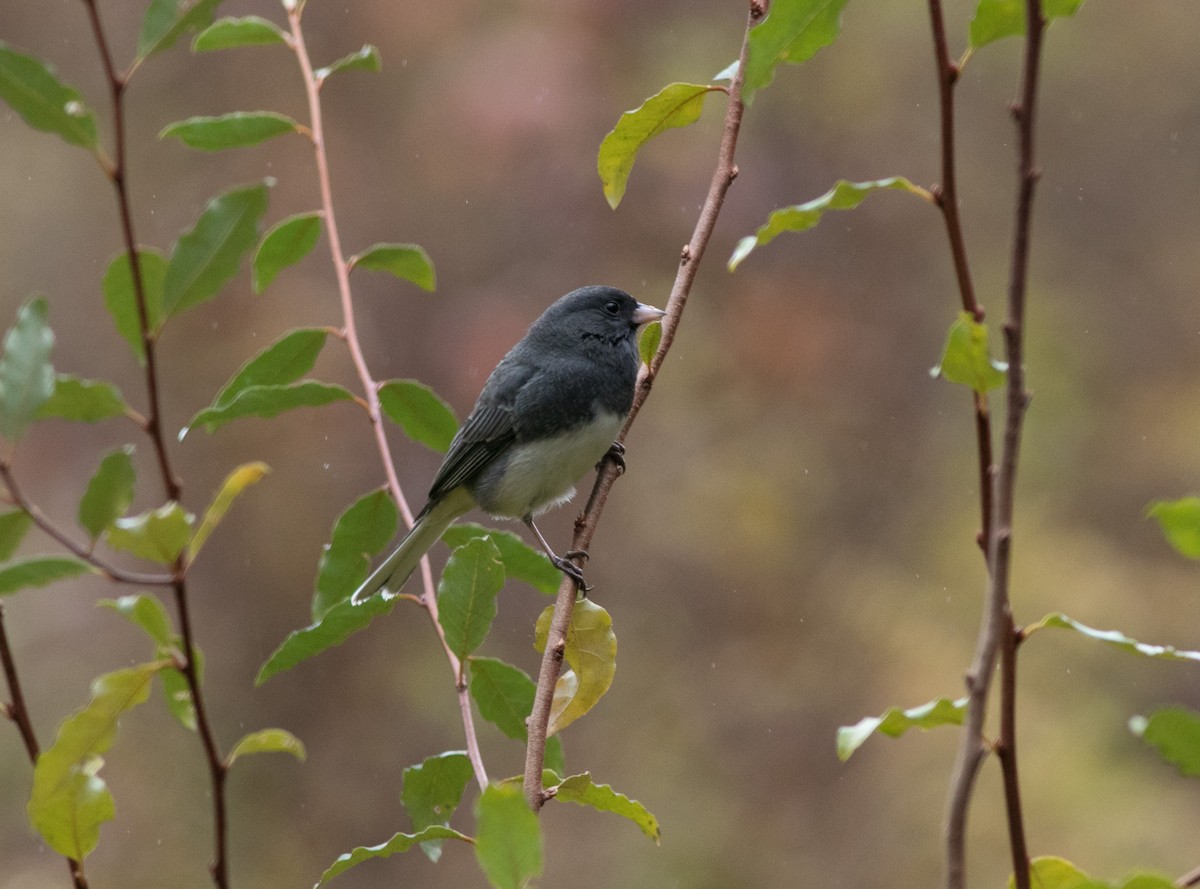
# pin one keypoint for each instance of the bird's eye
(612, 307)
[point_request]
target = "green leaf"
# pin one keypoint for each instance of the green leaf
(601, 797)
(361, 531)
(965, 358)
(335, 627)
(285, 244)
(284, 361)
(30, 87)
(432, 791)
(238, 129)
(13, 527)
(121, 299)
(407, 261)
(844, 195)
(176, 691)
(1114, 638)
(467, 595)
(996, 19)
(365, 59)
(109, 492)
(1175, 733)
(503, 693)
(591, 653)
(520, 560)
(85, 401)
(1180, 523)
(269, 401)
(69, 800)
(555, 760)
(508, 841)
(267, 740)
(401, 842)
(206, 256)
(230, 33)
(237, 481)
(158, 535)
(1050, 872)
(792, 32)
(146, 612)
(649, 340)
(417, 409)
(166, 20)
(677, 105)
(26, 375)
(37, 571)
(895, 722)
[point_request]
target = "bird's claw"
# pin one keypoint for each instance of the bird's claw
(572, 571)
(576, 554)
(616, 454)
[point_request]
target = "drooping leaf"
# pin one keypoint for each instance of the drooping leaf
(508, 841)
(432, 791)
(996, 19)
(966, 358)
(844, 195)
(361, 531)
(1180, 523)
(601, 797)
(285, 244)
(677, 105)
(146, 612)
(269, 401)
(237, 481)
(649, 340)
(401, 842)
(37, 571)
(467, 594)
(521, 561)
(407, 261)
(120, 297)
(365, 59)
(418, 410)
(1175, 733)
(206, 256)
(792, 32)
(26, 375)
(1114, 638)
(31, 89)
(267, 740)
(230, 33)
(238, 129)
(591, 653)
(337, 625)
(166, 20)
(503, 693)
(284, 361)
(109, 493)
(85, 401)
(158, 535)
(13, 527)
(70, 801)
(895, 722)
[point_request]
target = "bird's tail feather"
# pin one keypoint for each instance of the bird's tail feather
(399, 566)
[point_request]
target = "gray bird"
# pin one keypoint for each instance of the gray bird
(548, 413)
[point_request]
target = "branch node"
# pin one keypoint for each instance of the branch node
(685, 255)
(733, 172)
(758, 8)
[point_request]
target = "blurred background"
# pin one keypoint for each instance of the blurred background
(793, 547)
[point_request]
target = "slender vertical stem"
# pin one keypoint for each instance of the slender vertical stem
(341, 268)
(217, 768)
(585, 526)
(1006, 751)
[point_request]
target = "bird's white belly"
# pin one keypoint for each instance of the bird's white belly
(542, 474)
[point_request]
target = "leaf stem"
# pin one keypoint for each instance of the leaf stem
(585, 526)
(428, 600)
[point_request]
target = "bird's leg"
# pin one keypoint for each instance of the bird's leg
(568, 568)
(616, 454)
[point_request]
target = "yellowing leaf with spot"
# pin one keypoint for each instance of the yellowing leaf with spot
(591, 653)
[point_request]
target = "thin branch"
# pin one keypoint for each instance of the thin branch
(217, 767)
(428, 599)
(19, 713)
(585, 526)
(1006, 750)
(1191, 878)
(997, 619)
